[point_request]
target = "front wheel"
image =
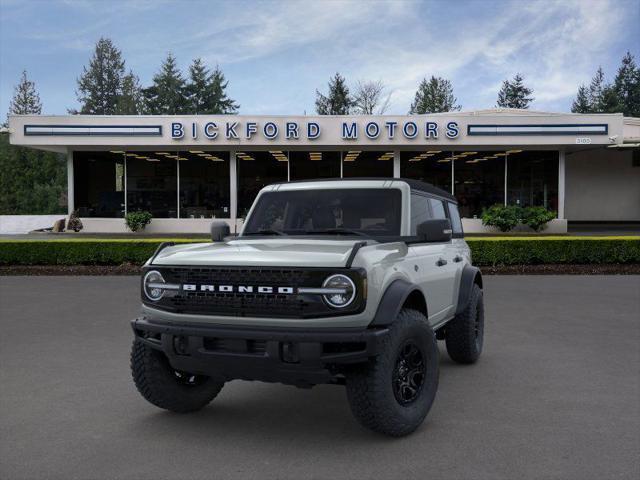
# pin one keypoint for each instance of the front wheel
(167, 388)
(393, 393)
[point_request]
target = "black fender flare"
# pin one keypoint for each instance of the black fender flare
(392, 301)
(470, 276)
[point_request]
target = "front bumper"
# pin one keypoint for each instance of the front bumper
(304, 358)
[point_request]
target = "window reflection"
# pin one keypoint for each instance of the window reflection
(357, 163)
(432, 166)
(152, 183)
(532, 179)
(257, 170)
(316, 164)
(204, 184)
(99, 184)
(479, 180)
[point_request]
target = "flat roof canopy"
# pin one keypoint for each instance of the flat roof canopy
(497, 127)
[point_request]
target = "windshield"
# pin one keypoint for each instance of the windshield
(361, 211)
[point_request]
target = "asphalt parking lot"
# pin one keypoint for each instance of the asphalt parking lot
(556, 394)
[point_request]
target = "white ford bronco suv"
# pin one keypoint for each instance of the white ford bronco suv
(346, 282)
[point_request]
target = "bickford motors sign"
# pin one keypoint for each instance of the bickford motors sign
(295, 130)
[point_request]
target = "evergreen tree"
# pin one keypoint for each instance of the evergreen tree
(31, 181)
(196, 89)
(581, 104)
(219, 102)
(100, 85)
(433, 96)
(627, 86)
(25, 99)
(338, 101)
(514, 94)
(130, 101)
(167, 95)
(596, 91)
(206, 91)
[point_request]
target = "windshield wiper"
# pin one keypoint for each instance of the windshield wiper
(336, 231)
(266, 231)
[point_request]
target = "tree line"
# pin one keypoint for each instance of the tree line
(435, 95)
(106, 88)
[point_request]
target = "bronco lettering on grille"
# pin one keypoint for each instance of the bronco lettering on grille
(192, 287)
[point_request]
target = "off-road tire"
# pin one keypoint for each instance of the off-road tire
(370, 387)
(161, 385)
(465, 333)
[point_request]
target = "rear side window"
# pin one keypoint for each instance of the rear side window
(437, 208)
(456, 223)
(420, 211)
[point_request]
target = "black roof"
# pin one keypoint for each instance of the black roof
(413, 184)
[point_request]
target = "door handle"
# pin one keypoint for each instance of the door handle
(441, 262)
(457, 258)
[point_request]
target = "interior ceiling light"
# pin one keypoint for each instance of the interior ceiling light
(196, 151)
(444, 160)
(162, 153)
(434, 151)
(141, 157)
(152, 160)
(514, 151)
(470, 153)
(131, 154)
(116, 151)
(500, 154)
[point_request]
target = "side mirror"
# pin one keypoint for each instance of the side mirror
(437, 230)
(219, 230)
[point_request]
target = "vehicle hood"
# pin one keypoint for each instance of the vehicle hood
(261, 252)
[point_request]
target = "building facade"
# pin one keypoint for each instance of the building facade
(186, 170)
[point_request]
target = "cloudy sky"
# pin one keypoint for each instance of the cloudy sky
(276, 53)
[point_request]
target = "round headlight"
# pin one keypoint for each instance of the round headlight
(345, 291)
(152, 285)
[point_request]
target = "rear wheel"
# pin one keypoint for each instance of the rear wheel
(393, 393)
(464, 335)
(166, 387)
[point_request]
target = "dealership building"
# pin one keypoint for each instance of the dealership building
(186, 170)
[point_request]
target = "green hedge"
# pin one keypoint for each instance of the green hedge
(486, 250)
(79, 251)
(567, 250)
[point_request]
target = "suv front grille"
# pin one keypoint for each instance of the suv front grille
(252, 304)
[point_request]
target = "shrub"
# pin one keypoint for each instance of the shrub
(537, 217)
(504, 218)
(137, 220)
(74, 223)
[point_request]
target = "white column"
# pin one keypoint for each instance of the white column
(125, 186)
(341, 163)
(177, 188)
(506, 169)
(233, 183)
(561, 177)
(70, 186)
(453, 175)
(396, 164)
